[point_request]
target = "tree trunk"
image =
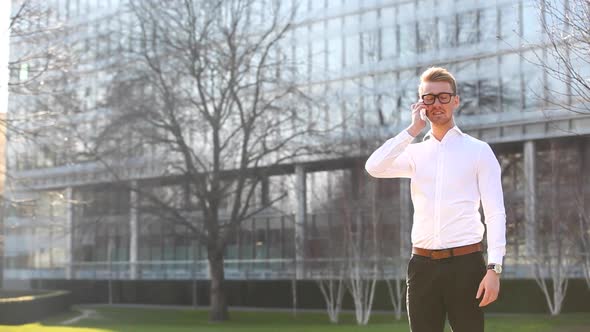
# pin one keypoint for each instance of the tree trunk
(218, 311)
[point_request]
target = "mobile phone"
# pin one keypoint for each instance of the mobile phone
(423, 115)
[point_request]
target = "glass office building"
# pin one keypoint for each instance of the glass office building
(74, 222)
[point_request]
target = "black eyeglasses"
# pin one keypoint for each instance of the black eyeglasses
(443, 97)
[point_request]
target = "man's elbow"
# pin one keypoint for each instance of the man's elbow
(499, 216)
(372, 170)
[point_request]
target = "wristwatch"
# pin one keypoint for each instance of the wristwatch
(495, 267)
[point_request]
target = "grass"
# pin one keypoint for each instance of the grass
(106, 319)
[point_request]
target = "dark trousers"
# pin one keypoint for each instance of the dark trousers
(440, 287)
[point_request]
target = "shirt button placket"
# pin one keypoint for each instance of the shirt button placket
(438, 193)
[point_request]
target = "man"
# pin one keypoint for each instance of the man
(451, 172)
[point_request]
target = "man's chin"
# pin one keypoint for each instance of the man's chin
(439, 121)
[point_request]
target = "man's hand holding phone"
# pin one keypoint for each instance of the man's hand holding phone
(423, 114)
(419, 118)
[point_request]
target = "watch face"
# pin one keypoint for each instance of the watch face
(495, 267)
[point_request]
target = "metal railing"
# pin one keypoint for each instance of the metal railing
(246, 269)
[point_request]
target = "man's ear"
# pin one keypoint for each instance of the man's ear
(457, 101)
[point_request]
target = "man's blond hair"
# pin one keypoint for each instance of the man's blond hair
(437, 74)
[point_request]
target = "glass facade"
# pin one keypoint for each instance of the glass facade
(365, 59)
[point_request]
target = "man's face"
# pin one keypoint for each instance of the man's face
(439, 113)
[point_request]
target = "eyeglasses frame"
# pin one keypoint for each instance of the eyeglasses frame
(436, 97)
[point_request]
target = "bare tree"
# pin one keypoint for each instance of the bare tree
(396, 289)
(556, 259)
(566, 23)
(332, 289)
(362, 253)
(361, 243)
(209, 89)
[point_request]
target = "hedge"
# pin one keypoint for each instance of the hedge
(516, 295)
(31, 306)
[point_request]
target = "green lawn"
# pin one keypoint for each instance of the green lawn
(141, 319)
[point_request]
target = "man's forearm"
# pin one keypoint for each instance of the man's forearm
(413, 130)
(388, 160)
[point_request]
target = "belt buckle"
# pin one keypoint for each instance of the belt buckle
(440, 254)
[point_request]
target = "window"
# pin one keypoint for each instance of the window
(351, 23)
(369, 19)
(488, 25)
(334, 55)
(373, 110)
(557, 91)
(352, 102)
(316, 5)
(488, 85)
(98, 43)
(60, 10)
(350, 3)
(318, 59)
(467, 28)
(509, 23)
(301, 61)
(73, 7)
(370, 47)
(14, 73)
(107, 35)
(333, 3)
(510, 82)
(407, 40)
(253, 13)
(447, 32)
(168, 247)
(468, 91)
(533, 81)
(552, 12)
(427, 38)
(532, 29)
(334, 26)
(318, 49)
(387, 98)
(388, 17)
(406, 10)
(408, 93)
(352, 49)
(24, 72)
(389, 43)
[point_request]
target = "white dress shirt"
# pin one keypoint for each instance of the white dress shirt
(449, 178)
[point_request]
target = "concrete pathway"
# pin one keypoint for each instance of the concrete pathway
(84, 314)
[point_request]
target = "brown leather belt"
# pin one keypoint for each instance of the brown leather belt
(446, 253)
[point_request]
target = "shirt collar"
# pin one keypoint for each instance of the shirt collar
(454, 129)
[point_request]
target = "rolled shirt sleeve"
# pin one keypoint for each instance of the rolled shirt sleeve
(392, 160)
(492, 199)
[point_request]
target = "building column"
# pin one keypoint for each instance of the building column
(405, 202)
(133, 240)
(300, 220)
(69, 236)
(530, 194)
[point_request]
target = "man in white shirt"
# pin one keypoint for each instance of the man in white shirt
(451, 173)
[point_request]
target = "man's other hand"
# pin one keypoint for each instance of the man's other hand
(489, 287)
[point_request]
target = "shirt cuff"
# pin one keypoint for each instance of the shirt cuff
(495, 257)
(405, 135)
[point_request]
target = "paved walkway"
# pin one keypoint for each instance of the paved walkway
(84, 313)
